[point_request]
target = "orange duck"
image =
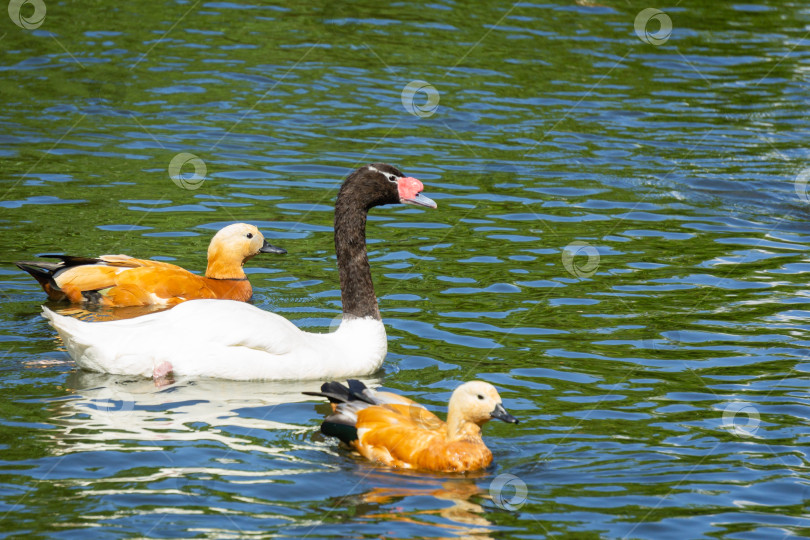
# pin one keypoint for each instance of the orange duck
(120, 280)
(398, 432)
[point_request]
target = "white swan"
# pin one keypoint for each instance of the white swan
(238, 341)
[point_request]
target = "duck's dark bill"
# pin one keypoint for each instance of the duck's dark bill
(501, 414)
(270, 248)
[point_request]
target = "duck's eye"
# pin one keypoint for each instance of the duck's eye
(480, 397)
(392, 178)
(250, 235)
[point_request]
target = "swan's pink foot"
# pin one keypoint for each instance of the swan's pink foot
(162, 374)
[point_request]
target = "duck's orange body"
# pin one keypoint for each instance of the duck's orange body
(123, 281)
(409, 436)
(397, 432)
(120, 280)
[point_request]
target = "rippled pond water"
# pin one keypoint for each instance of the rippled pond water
(620, 247)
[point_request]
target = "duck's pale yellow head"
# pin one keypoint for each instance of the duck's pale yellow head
(240, 241)
(479, 402)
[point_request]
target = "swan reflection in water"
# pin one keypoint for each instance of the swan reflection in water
(109, 412)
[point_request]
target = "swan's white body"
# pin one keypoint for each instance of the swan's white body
(224, 339)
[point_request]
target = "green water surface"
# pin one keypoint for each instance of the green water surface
(620, 247)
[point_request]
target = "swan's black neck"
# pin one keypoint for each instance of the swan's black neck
(356, 287)
(361, 191)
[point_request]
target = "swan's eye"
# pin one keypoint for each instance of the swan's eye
(480, 396)
(250, 235)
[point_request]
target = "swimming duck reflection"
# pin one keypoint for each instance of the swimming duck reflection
(387, 501)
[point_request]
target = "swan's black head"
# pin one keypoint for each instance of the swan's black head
(380, 183)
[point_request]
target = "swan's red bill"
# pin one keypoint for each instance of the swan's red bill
(410, 192)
